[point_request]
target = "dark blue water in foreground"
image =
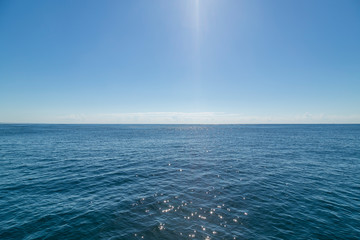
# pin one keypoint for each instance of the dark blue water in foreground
(179, 182)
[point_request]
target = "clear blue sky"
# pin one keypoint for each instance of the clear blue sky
(180, 61)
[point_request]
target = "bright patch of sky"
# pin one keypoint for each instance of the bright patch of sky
(181, 61)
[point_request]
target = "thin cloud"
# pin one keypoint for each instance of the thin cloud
(201, 118)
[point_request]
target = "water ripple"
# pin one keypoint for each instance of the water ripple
(179, 182)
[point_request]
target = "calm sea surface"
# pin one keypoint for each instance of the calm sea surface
(179, 181)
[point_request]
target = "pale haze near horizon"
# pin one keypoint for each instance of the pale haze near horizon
(185, 61)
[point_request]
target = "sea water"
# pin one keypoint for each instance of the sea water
(179, 181)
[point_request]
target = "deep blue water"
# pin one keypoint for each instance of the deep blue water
(179, 181)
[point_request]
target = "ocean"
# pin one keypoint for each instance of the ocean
(179, 181)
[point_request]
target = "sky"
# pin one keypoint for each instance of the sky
(180, 61)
